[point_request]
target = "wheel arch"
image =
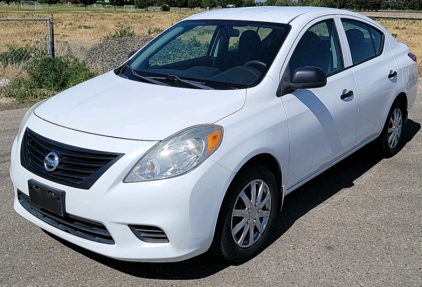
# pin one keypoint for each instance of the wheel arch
(264, 160)
(403, 98)
(272, 164)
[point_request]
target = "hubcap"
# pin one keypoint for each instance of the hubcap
(394, 128)
(251, 213)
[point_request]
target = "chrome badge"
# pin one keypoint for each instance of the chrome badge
(51, 161)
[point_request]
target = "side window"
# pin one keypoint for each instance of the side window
(377, 40)
(318, 47)
(365, 42)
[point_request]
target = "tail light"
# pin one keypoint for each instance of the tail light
(412, 56)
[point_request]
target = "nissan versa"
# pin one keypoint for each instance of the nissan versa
(194, 141)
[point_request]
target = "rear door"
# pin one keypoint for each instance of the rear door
(375, 72)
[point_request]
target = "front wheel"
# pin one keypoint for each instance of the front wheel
(392, 135)
(247, 215)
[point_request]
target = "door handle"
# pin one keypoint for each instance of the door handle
(346, 95)
(392, 75)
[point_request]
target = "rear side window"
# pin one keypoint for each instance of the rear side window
(365, 42)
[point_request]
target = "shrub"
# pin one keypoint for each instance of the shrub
(84, 27)
(22, 90)
(121, 32)
(154, 31)
(57, 74)
(48, 73)
(78, 73)
(193, 42)
(46, 76)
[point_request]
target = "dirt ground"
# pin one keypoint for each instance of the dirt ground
(396, 15)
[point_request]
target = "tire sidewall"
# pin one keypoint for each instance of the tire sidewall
(387, 150)
(229, 249)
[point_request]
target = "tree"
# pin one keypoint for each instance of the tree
(270, 2)
(142, 3)
(304, 2)
(207, 3)
(116, 3)
(179, 3)
(49, 2)
(87, 2)
(284, 3)
(193, 4)
(249, 3)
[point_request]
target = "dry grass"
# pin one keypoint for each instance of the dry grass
(83, 29)
(10, 72)
(86, 28)
(77, 30)
(408, 32)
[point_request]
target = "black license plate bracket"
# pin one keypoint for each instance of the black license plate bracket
(47, 198)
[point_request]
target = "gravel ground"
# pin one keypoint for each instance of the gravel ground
(110, 53)
(3, 82)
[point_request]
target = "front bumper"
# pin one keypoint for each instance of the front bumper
(185, 207)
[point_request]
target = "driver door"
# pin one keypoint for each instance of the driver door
(322, 121)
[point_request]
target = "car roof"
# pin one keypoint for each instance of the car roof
(265, 13)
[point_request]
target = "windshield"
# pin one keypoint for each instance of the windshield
(211, 53)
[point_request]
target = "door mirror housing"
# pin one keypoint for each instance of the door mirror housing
(303, 78)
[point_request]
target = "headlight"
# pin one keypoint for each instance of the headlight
(178, 154)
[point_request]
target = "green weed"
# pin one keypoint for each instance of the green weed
(121, 32)
(45, 76)
(154, 31)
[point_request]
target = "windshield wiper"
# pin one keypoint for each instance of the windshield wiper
(157, 80)
(186, 83)
(146, 79)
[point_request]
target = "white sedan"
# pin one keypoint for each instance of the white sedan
(193, 143)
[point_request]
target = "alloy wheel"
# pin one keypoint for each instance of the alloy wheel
(251, 213)
(395, 128)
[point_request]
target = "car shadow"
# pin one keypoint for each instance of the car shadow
(297, 204)
(341, 176)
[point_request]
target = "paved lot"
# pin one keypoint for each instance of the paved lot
(358, 224)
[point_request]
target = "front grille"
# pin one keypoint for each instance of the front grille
(77, 167)
(81, 227)
(149, 234)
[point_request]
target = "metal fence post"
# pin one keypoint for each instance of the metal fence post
(51, 25)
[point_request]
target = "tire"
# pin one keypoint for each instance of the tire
(232, 239)
(391, 138)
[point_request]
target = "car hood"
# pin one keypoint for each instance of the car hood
(112, 106)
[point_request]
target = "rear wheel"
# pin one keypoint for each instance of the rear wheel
(391, 138)
(247, 215)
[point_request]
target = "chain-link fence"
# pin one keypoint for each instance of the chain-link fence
(20, 41)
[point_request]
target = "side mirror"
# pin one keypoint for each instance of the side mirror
(303, 78)
(131, 53)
